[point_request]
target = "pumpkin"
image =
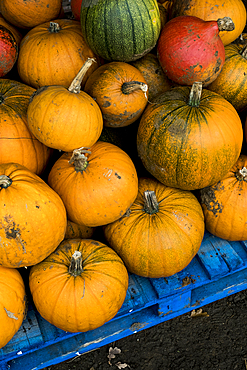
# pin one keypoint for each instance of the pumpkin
(17, 142)
(8, 50)
(97, 186)
(232, 81)
(12, 303)
(52, 53)
(15, 31)
(120, 31)
(153, 74)
(76, 9)
(120, 91)
(75, 231)
(28, 14)
(32, 217)
(188, 133)
(65, 119)
(224, 203)
(160, 233)
(80, 286)
(211, 10)
(190, 49)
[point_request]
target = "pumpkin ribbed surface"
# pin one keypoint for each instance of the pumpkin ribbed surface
(52, 53)
(161, 240)
(17, 143)
(79, 297)
(232, 80)
(224, 204)
(182, 145)
(122, 30)
(32, 217)
(12, 303)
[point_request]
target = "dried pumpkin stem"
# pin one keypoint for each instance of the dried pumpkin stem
(5, 181)
(79, 159)
(243, 52)
(75, 86)
(242, 174)
(151, 204)
(75, 267)
(54, 27)
(225, 24)
(195, 94)
(131, 86)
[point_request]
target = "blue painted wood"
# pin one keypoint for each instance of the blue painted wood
(217, 271)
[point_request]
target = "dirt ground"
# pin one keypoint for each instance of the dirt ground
(215, 340)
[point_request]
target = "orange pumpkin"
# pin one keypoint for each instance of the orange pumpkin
(15, 31)
(224, 204)
(53, 53)
(160, 233)
(75, 231)
(18, 144)
(80, 286)
(12, 303)
(65, 119)
(28, 14)
(189, 138)
(231, 83)
(153, 74)
(212, 10)
(32, 217)
(97, 186)
(121, 92)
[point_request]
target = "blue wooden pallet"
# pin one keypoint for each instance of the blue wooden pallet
(217, 271)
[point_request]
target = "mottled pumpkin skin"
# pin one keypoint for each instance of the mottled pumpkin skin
(54, 58)
(183, 145)
(8, 50)
(105, 85)
(211, 10)
(17, 143)
(224, 204)
(84, 302)
(54, 111)
(189, 49)
(12, 302)
(103, 191)
(232, 80)
(75, 231)
(153, 74)
(15, 31)
(33, 218)
(163, 243)
(120, 31)
(28, 14)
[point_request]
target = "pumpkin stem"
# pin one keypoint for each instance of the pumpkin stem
(75, 267)
(151, 204)
(195, 94)
(79, 159)
(75, 86)
(131, 86)
(1, 98)
(54, 27)
(5, 181)
(243, 52)
(242, 174)
(225, 24)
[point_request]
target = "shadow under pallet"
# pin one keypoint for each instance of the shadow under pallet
(218, 270)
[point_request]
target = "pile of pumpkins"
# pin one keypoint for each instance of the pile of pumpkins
(122, 128)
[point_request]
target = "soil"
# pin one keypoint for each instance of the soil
(216, 339)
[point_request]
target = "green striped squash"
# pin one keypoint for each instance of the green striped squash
(187, 140)
(120, 30)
